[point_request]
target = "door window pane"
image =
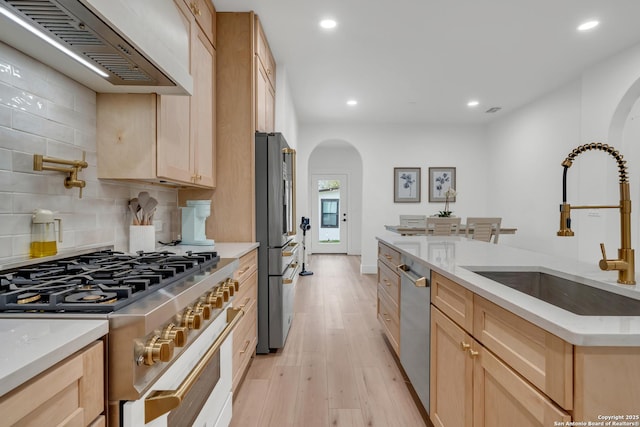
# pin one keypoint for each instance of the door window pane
(329, 213)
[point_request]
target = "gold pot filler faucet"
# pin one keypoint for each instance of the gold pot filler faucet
(625, 261)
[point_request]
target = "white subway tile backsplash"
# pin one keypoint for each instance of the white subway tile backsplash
(30, 183)
(6, 203)
(6, 246)
(11, 225)
(20, 141)
(52, 115)
(27, 203)
(79, 120)
(5, 116)
(5, 179)
(40, 126)
(19, 99)
(63, 150)
(22, 162)
(5, 159)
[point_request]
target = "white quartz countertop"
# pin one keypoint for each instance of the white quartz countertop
(31, 346)
(456, 257)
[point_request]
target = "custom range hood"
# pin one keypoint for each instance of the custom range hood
(139, 46)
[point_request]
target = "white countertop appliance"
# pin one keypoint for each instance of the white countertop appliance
(170, 324)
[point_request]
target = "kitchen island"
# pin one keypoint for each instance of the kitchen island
(490, 343)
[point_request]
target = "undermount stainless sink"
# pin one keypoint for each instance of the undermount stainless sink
(566, 294)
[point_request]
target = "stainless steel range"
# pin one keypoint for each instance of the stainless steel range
(170, 319)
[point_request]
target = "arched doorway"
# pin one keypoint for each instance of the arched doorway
(335, 198)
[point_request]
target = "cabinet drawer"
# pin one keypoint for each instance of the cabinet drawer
(247, 293)
(248, 264)
(389, 318)
(453, 300)
(539, 356)
(503, 398)
(70, 393)
(389, 256)
(245, 338)
(389, 280)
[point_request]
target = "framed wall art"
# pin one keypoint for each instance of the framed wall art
(406, 185)
(440, 180)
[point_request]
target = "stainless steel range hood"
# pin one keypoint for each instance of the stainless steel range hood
(141, 46)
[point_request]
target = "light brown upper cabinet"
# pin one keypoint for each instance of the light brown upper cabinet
(265, 82)
(165, 138)
(245, 80)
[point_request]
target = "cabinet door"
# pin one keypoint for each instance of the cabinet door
(261, 97)
(501, 398)
(202, 111)
(451, 397)
(270, 109)
(174, 126)
(173, 146)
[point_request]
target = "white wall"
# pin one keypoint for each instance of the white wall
(383, 147)
(512, 166)
(44, 112)
(286, 120)
(531, 143)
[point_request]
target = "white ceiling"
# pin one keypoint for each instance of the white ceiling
(420, 61)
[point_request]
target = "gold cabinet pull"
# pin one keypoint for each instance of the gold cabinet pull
(162, 401)
(464, 346)
(473, 353)
(246, 301)
(246, 345)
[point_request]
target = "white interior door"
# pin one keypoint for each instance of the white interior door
(329, 222)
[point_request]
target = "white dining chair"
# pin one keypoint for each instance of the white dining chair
(412, 220)
(482, 228)
(443, 226)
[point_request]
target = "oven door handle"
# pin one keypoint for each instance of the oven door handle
(162, 401)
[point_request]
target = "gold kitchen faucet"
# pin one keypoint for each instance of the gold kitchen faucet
(625, 263)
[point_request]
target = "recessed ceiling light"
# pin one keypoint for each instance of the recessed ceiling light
(327, 24)
(352, 102)
(473, 103)
(588, 25)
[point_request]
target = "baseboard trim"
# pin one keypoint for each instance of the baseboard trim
(368, 269)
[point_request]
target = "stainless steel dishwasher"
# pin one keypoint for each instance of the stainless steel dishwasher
(415, 313)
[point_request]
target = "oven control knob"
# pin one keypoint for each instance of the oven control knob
(223, 292)
(177, 334)
(204, 309)
(229, 288)
(191, 319)
(157, 350)
(214, 300)
(233, 283)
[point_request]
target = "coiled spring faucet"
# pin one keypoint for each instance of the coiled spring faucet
(625, 263)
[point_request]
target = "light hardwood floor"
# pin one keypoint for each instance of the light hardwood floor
(336, 368)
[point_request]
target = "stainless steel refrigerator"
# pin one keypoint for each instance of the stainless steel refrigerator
(278, 264)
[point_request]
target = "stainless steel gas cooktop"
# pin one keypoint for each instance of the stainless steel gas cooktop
(97, 282)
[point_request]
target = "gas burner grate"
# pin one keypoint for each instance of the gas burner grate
(101, 281)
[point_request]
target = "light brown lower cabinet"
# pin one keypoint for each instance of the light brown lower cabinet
(490, 367)
(69, 394)
(472, 387)
(245, 336)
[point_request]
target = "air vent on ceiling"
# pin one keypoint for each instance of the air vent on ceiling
(493, 110)
(84, 33)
